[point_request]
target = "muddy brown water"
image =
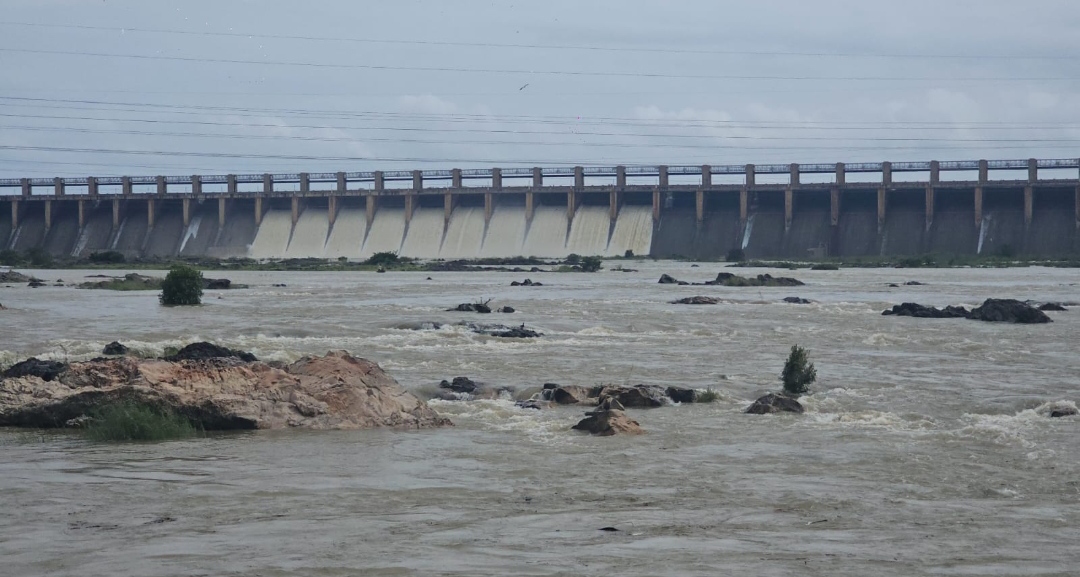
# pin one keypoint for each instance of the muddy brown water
(926, 449)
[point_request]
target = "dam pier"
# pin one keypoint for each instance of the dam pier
(1029, 207)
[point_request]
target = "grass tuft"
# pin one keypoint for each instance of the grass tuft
(130, 421)
(706, 396)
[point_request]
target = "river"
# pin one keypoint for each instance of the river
(926, 449)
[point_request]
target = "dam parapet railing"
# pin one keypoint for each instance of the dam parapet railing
(833, 190)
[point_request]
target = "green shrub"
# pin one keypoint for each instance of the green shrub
(182, 286)
(39, 257)
(591, 263)
(628, 254)
(736, 255)
(129, 421)
(10, 258)
(799, 373)
(382, 259)
(573, 258)
(107, 257)
(706, 396)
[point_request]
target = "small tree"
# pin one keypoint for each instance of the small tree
(383, 259)
(182, 286)
(798, 373)
(591, 263)
(573, 258)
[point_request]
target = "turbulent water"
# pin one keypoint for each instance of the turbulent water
(926, 448)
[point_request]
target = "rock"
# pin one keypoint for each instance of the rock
(893, 285)
(507, 310)
(697, 301)
(47, 371)
(533, 404)
(335, 391)
(914, 283)
(681, 394)
(204, 351)
(774, 403)
(460, 385)
(13, 277)
(280, 285)
(924, 312)
(667, 279)
(35, 283)
(606, 421)
(471, 308)
(797, 301)
(516, 333)
(1052, 307)
(762, 280)
(114, 348)
(695, 266)
(565, 395)
(216, 283)
(636, 397)
(526, 282)
(1063, 412)
(1008, 311)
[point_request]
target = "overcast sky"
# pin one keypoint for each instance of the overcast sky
(107, 87)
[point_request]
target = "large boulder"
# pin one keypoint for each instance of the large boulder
(114, 349)
(565, 394)
(47, 371)
(925, 312)
(668, 279)
(762, 280)
(635, 397)
(460, 385)
(774, 403)
(1008, 311)
(471, 308)
(608, 419)
(335, 391)
(202, 351)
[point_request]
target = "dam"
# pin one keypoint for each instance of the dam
(1022, 207)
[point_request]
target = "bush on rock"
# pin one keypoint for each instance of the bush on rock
(182, 286)
(799, 373)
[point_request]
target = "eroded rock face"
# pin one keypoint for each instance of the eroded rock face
(335, 391)
(608, 419)
(773, 403)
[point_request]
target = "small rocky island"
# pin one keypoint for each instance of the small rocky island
(217, 389)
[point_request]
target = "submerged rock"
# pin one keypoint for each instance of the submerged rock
(1052, 307)
(697, 301)
(774, 403)
(203, 351)
(1063, 412)
(526, 282)
(471, 308)
(507, 310)
(608, 420)
(216, 283)
(47, 371)
(797, 301)
(460, 385)
(668, 279)
(114, 348)
(335, 391)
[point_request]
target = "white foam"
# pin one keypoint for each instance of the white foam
(749, 229)
(506, 233)
(309, 235)
(191, 232)
(272, 239)
(633, 231)
(465, 234)
(547, 233)
(589, 231)
(347, 236)
(387, 232)
(424, 234)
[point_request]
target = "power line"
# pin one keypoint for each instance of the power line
(578, 47)
(601, 73)
(554, 120)
(541, 142)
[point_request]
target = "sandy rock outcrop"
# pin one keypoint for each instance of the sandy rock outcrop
(335, 391)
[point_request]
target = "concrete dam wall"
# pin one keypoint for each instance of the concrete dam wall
(660, 211)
